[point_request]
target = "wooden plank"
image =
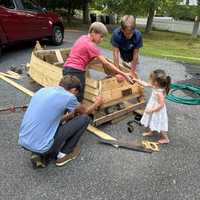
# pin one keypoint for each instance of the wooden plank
(92, 83)
(91, 90)
(99, 133)
(18, 86)
(59, 56)
(117, 114)
(115, 121)
(113, 102)
(10, 76)
(89, 96)
(13, 73)
(51, 51)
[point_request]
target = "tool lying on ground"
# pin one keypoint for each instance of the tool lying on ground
(184, 100)
(142, 146)
(14, 108)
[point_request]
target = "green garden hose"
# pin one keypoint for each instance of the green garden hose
(184, 100)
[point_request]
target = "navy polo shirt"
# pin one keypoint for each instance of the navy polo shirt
(126, 46)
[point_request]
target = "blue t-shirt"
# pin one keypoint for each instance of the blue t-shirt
(43, 116)
(126, 46)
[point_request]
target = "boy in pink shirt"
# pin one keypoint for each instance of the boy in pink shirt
(85, 50)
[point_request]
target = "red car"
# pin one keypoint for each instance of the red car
(24, 20)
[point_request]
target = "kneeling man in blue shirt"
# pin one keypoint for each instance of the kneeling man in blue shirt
(51, 126)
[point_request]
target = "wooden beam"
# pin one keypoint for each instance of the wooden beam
(59, 56)
(99, 133)
(10, 75)
(16, 85)
(117, 114)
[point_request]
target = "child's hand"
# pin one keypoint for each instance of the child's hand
(149, 111)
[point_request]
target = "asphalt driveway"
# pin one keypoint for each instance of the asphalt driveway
(102, 172)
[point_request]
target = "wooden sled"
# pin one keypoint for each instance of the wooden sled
(46, 68)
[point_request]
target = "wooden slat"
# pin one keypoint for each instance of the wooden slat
(59, 56)
(18, 86)
(91, 90)
(92, 83)
(10, 75)
(117, 114)
(99, 133)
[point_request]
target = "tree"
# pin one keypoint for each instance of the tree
(153, 6)
(196, 21)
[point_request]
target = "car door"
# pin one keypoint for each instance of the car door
(12, 21)
(38, 20)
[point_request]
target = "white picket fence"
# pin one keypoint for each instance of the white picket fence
(169, 24)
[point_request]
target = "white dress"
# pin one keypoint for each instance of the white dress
(156, 121)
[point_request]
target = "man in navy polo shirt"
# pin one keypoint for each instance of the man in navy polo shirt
(126, 41)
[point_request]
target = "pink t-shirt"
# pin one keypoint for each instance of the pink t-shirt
(82, 52)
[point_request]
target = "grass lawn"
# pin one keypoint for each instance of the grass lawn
(174, 46)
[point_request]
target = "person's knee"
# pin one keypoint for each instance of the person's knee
(86, 119)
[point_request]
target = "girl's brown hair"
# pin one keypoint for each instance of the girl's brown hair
(159, 76)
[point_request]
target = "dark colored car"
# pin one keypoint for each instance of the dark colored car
(24, 20)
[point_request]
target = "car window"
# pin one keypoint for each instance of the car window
(7, 3)
(29, 5)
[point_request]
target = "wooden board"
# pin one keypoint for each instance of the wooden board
(59, 56)
(117, 114)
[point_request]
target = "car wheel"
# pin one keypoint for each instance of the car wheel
(57, 36)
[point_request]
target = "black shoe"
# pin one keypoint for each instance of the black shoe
(38, 161)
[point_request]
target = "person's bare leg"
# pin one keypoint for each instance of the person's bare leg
(164, 139)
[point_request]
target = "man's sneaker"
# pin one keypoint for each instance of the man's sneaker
(68, 157)
(37, 161)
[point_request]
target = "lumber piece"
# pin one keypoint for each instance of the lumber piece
(13, 74)
(16, 85)
(99, 133)
(117, 114)
(59, 56)
(9, 75)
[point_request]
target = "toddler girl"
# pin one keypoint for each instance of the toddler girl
(155, 114)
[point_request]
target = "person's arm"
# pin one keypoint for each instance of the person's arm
(143, 83)
(161, 102)
(103, 60)
(116, 56)
(81, 109)
(67, 116)
(134, 62)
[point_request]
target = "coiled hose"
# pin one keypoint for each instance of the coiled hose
(184, 100)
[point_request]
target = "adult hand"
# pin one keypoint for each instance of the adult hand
(129, 78)
(120, 78)
(99, 101)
